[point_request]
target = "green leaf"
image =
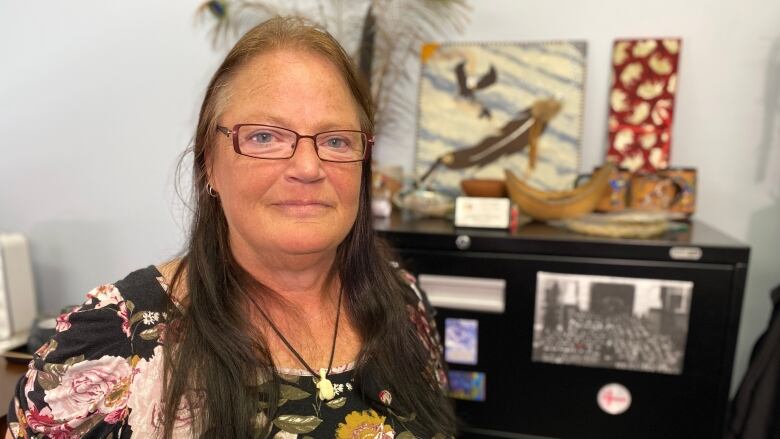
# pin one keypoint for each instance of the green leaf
(293, 393)
(87, 425)
(150, 334)
(55, 369)
(336, 403)
(73, 360)
(409, 418)
(50, 347)
(297, 424)
(137, 317)
(263, 386)
(60, 369)
(47, 380)
(290, 378)
(261, 420)
(130, 305)
(405, 435)
(265, 405)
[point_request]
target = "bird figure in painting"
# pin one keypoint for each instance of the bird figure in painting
(467, 85)
(521, 131)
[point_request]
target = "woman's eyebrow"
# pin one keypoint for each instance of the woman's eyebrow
(271, 119)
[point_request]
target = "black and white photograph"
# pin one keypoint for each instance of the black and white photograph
(611, 322)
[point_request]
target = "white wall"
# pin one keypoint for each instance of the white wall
(98, 98)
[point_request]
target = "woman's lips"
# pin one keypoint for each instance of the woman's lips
(303, 207)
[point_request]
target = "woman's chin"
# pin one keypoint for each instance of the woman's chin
(307, 245)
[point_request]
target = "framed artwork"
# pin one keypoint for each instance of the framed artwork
(612, 322)
(486, 107)
(641, 103)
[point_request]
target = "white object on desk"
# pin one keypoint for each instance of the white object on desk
(14, 341)
(491, 213)
(18, 305)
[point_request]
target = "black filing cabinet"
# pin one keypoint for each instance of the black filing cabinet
(528, 398)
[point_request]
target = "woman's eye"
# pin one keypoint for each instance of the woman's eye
(262, 137)
(337, 143)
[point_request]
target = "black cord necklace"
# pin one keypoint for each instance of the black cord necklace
(324, 385)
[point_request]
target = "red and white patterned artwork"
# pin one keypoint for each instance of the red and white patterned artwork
(641, 103)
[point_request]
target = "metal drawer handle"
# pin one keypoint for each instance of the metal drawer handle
(463, 242)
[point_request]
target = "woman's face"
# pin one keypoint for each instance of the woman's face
(297, 206)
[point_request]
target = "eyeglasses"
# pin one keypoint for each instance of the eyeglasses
(277, 143)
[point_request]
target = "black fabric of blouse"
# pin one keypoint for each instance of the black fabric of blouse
(100, 376)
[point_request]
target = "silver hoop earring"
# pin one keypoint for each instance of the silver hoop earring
(210, 190)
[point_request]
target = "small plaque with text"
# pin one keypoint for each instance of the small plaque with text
(484, 212)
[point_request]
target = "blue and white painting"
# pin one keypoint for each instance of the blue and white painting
(467, 385)
(461, 341)
(488, 107)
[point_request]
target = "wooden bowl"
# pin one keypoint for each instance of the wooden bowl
(483, 188)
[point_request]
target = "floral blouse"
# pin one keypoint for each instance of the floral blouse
(100, 376)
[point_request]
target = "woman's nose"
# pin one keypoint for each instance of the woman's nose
(305, 164)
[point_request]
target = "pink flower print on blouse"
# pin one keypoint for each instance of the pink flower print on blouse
(63, 322)
(124, 314)
(145, 402)
(43, 421)
(30, 377)
(386, 397)
(94, 386)
(146, 395)
(105, 295)
(116, 416)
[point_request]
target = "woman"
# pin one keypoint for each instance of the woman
(284, 317)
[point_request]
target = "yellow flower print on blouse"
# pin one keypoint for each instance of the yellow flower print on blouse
(364, 425)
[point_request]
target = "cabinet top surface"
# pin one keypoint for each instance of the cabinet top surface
(408, 232)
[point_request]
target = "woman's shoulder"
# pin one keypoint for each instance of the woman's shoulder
(121, 318)
(422, 315)
(84, 380)
(416, 296)
(172, 276)
(146, 287)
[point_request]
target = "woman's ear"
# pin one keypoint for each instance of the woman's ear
(208, 161)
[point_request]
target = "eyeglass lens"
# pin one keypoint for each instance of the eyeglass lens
(269, 142)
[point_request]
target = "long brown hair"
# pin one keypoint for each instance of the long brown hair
(215, 360)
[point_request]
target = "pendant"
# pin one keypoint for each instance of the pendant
(325, 387)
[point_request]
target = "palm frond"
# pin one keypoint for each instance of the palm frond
(400, 27)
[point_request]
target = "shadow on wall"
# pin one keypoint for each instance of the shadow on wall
(768, 163)
(66, 254)
(764, 227)
(764, 274)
